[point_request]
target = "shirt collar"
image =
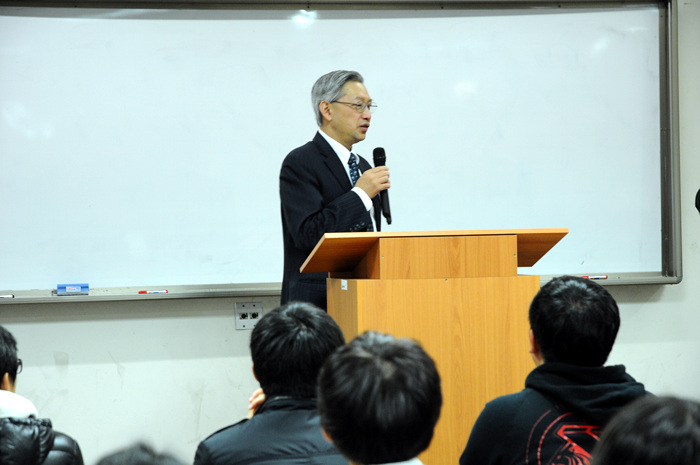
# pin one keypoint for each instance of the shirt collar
(14, 405)
(414, 461)
(342, 151)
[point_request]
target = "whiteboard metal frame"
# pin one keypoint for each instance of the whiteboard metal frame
(671, 272)
(317, 4)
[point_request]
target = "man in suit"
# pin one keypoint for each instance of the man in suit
(316, 188)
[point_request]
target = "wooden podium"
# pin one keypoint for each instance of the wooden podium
(456, 292)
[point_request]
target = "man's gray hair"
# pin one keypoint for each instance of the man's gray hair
(329, 87)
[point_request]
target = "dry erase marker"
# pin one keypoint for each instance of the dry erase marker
(7, 296)
(164, 291)
(600, 276)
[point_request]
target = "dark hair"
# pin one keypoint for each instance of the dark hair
(288, 347)
(379, 399)
(652, 431)
(9, 363)
(138, 454)
(575, 321)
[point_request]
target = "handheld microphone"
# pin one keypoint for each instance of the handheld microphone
(380, 160)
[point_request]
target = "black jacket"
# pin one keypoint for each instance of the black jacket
(282, 431)
(556, 419)
(32, 441)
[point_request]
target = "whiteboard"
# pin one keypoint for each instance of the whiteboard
(143, 147)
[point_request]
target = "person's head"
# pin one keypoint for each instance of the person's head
(379, 399)
(652, 431)
(573, 320)
(138, 454)
(288, 347)
(10, 364)
(336, 98)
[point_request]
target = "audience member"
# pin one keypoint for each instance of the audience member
(652, 431)
(288, 347)
(138, 454)
(26, 439)
(570, 395)
(379, 399)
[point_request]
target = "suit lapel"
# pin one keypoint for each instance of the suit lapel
(335, 166)
(330, 158)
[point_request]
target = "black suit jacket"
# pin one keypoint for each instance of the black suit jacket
(316, 198)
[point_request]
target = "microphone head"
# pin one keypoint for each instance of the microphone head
(379, 156)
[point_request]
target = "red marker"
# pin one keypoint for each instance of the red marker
(165, 291)
(600, 276)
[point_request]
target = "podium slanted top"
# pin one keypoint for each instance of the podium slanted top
(340, 252)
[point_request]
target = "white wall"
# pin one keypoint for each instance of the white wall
(170, 372)
(659, 340)
(173, 371)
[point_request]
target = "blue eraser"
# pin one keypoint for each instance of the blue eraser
(73, 289)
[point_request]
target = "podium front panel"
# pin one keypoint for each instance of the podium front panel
(476, 330)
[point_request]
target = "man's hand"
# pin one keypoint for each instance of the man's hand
(255, 401)
(374, 181)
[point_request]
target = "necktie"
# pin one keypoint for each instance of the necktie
(354, 176)
(354, 172)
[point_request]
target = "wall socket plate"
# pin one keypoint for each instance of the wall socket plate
(248, 314)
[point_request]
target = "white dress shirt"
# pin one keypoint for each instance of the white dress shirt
(344, 156)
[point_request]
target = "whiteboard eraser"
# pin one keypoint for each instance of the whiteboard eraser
(73, 289)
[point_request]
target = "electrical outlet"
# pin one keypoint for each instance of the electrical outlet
(248, 314)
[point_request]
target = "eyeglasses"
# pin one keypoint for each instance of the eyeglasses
(360, 107)
(19, 365)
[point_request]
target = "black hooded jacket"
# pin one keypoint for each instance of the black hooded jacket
(555, 420)
(33, 441)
